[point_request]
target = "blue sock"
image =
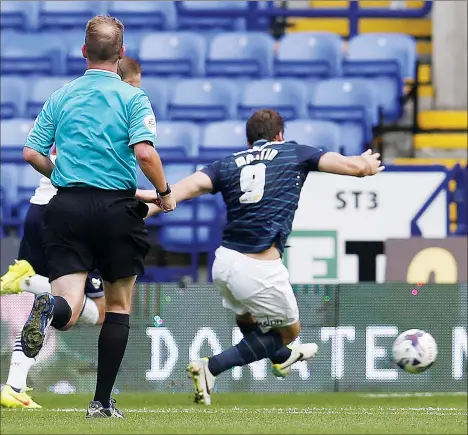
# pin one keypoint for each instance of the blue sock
(279, 357)
(254, 347)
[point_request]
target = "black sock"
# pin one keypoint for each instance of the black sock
(62, 312)
(111, 349)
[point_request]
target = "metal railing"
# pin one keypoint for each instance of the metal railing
(354, 13)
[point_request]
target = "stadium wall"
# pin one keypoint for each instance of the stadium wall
(354, 326)
(449, 55)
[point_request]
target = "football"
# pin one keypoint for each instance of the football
(414, 351)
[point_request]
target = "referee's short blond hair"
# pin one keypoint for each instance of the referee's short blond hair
(104, 39)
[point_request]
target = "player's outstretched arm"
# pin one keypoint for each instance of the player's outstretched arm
(194, 185)
(364, 165)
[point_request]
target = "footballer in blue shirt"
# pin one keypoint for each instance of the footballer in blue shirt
(261, 188)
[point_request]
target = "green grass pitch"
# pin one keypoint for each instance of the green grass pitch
(327, 413)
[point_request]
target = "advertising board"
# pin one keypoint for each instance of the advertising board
(353, 325)
(342, 223)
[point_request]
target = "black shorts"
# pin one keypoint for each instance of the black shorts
(89, 229)
(32, 250)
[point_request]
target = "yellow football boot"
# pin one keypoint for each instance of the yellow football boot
(11, 282)
(9, 398)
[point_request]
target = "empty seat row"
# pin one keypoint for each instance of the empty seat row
(349, 101)
(184, 140)
(157, 15)
(384, 59)
(178, 143)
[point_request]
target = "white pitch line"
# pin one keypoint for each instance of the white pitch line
(280, 411)
(402, 395)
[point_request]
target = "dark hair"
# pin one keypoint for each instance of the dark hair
(104, 39)
(264, 124)
(128, 67)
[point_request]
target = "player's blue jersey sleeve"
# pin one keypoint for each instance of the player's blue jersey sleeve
(42, 134)
(213, 171)
(309, 156)
(142, 120)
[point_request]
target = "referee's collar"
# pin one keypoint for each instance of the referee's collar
(102, 72)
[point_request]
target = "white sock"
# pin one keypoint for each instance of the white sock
(37, 284)
(19, 366)
(90, 312)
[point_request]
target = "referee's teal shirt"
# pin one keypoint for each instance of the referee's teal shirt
(94, 121)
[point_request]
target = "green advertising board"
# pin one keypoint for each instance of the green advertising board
(354, 326)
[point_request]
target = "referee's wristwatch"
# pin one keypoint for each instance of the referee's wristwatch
(167, 192)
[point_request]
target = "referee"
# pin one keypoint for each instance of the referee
(101, 127)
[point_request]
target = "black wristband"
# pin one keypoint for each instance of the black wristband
(167, 192)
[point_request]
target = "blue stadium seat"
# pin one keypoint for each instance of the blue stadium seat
(9, 184)
(142, 181)
(241, 54)
(5, 212)
(346, 100)
(181, 237)
(27, 53)
(75, 64)
(158, 93)
(387, 59)
(222, 138)
(132, 41)
(68, 14)
(173, 54)
(383, 47)
(13, 97)
(13, 137)
(288, 96)
(353, 139)
(316, 133)
(191, 15)
(309, 54)
(177, 139)
(15, 15)
(203, 100)
(157, 15)
(28, 180)
(41, 91)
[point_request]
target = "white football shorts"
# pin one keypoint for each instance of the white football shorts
(258, 287)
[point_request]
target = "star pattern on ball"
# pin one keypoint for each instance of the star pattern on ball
(414, 338)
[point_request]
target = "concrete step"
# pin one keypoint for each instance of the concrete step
(441, 141)
(340, 4)
(429, 161)
(443, 120)
(417, 27)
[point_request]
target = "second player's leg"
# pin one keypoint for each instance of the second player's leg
(69, 260)
(64, 290)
